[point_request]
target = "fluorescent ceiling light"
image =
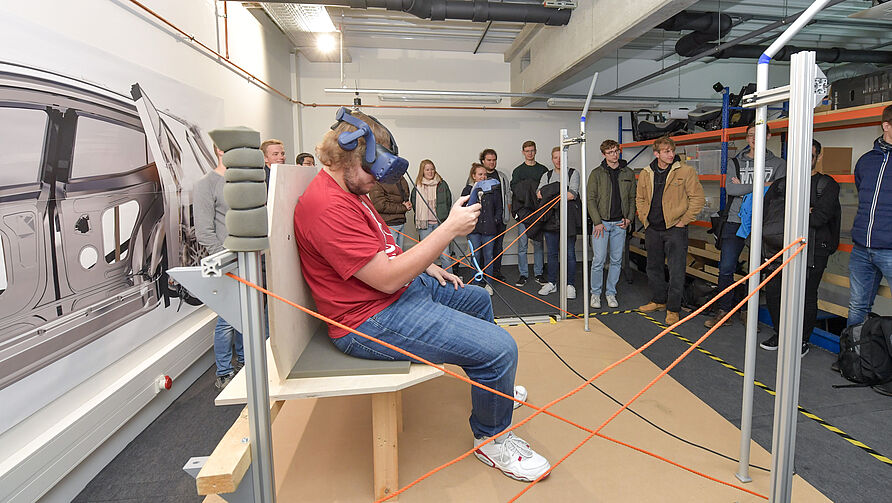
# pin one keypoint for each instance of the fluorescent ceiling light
(311, 18)
(409, 98)
(600, 104)
(326, 42)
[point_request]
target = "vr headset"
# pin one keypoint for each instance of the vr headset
(382, 163)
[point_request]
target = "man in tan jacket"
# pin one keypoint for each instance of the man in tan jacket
(669, 197)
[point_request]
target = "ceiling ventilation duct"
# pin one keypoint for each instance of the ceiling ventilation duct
(473, 10)
(706, 28)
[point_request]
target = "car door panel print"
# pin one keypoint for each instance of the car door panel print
(90, 218)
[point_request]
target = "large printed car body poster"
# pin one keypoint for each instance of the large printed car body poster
(95, 205)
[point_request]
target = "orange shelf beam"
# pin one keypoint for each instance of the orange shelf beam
(866, 115)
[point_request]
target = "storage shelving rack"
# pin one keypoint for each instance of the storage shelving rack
(856, 117)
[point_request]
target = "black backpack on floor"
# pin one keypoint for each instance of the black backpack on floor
(865, 352)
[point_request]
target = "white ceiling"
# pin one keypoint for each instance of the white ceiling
(379, 28)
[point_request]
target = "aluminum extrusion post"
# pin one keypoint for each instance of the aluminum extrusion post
(783, 441)
(583, 193)
(562, 246)
(752, 319)
(583, 180)
(246, 222)
(726, 103)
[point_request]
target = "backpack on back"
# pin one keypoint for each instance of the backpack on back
(865, 352)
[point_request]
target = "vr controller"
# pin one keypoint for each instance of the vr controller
(484, 186)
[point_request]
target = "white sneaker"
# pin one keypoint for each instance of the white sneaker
(513, 456)
(520, 393)
(488, 289)
(596, 302)
(611, 301)
(571, 292)
(547, 288)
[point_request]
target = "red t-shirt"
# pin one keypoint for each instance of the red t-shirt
(337, 234)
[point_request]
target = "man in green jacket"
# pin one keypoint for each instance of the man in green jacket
(611, 205)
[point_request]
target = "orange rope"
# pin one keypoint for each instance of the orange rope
(695, 472)
(538, 410)
(599, 374)
(462, 262)
(688, 351)
(544, 209)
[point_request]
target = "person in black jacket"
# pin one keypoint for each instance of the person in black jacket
(552, 224)
(823, 239)
(488, 224)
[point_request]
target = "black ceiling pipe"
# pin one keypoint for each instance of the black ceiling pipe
(706, 26)
(828, 55)
(473, 10)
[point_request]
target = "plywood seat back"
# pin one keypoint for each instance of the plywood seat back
(299, 343)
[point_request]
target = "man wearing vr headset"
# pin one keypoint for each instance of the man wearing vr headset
(361, 278)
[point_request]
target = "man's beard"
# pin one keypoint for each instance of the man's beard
(353, 185)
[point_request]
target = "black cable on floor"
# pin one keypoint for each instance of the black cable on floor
(648, 421)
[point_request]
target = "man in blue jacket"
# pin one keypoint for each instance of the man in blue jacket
(871, 258)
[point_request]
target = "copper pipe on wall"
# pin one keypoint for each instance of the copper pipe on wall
(226, 28)
(192, 39)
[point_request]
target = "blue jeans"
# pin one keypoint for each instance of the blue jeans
(867, 266)
(224, 338)
(612, 242)
(444, 325)
(423, 233)
(553, 241)
(732, 245)
(522, 260)
(395, 230)
(483, 252)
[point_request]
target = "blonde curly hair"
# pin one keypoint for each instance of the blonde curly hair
(331, 154)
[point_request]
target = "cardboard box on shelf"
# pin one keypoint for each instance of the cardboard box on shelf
(836, 161)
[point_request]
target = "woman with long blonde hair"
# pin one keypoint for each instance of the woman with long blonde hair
(433, 208)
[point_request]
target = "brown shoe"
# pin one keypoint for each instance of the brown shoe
(671, 317)
(652, 306)
(716, 319)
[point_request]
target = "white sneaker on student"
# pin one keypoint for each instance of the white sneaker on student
(520, 393)
(596, 302)
(571, 292)
(611, 301)
(547, 288)
(513, 456)
(488, 289)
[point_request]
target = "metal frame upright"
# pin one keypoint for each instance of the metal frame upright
(804, 84)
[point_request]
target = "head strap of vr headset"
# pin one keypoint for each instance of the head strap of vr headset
(349, 141)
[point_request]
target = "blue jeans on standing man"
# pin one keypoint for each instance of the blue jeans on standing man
(396, 230)
(732, 245)
(445, 261)
(611, 243)
(867, 266)
(224, 338)
(553, 241)
(445, 325)
(522, 260)
(483, 252)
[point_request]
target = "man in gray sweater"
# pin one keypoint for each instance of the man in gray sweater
(210, 209)
(739, 183)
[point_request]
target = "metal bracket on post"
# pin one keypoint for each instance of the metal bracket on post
(218, 264)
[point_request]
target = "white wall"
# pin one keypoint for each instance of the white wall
(454, 138)
(114, 44)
